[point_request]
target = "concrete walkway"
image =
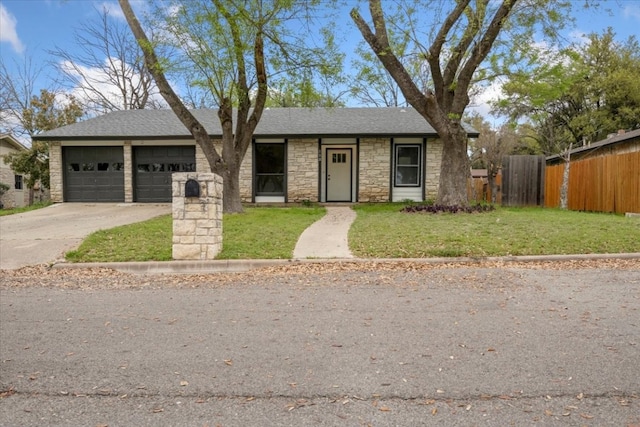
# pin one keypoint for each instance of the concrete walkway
(328, 237)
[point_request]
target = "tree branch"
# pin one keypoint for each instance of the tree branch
(190, 122)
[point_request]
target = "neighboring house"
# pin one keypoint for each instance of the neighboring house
(18, 194)
(298, 154)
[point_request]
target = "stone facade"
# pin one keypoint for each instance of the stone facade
(197, 221)
(432, 168)
(302, 170)
(127, 154)
(55, 172)
(375, 168)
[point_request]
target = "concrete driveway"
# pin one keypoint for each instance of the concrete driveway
(44, 235)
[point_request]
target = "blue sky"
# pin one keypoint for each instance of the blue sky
(31, 27)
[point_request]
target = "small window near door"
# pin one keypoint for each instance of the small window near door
(269, 169)
(407, 162)
(339, 158)
(18, 182)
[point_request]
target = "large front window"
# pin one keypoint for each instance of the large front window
(270, 169)
(407, 166)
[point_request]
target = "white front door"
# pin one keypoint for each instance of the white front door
(339, 174)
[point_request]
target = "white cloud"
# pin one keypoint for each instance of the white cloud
(113, 9)
(632, 11)
(8, 30)
(94, 79)
(481, 102)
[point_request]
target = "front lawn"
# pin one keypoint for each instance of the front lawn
(258, 233)
(383, 231)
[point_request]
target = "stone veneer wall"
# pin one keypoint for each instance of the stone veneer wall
(302, 170)
(375, 168)
(55, 172)
(432, 168)
(197, 221)
(202, 165)
(127, 154)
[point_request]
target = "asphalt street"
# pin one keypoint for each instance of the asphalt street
(403, 346)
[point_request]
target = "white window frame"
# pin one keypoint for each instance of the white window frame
(418, 166)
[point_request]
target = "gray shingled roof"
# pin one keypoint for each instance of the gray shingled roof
(275, 122)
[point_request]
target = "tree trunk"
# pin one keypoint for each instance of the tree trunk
(454, 170)
(231, 201)
(564, 187)
(493, 186)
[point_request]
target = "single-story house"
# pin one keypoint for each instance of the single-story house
(297, 154)
(17, 195)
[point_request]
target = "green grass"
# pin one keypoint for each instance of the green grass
(145, 241)
(258, 233)
(384, 231)
(265, 233)
(34, 206)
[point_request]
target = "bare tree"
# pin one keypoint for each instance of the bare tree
(17, 90)
(107, 71)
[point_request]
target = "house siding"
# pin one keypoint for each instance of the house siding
(374, 169)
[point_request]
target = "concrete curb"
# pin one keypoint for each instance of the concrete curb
(239, 266)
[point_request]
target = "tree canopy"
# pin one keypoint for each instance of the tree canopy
(578, 95)
(231, 51)
(463, 44)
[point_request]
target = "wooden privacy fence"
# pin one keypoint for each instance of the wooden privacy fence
(600, 184)
(478, 189)
(523, 180)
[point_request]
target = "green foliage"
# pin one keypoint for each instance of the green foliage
(3, 188)
(578, 95)
(43, 114)
(214, 46)
(32, 163)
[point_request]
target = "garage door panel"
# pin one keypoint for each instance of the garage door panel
(93, 174)
(154, 166)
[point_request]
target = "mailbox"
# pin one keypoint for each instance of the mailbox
(191, 188)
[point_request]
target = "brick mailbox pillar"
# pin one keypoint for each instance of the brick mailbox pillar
(197, 215)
